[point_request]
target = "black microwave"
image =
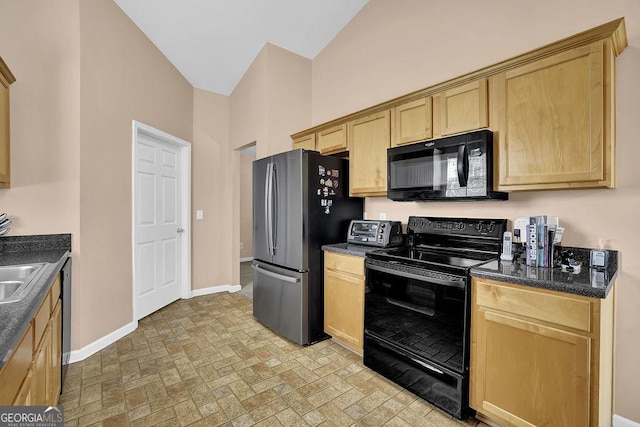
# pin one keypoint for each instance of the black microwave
(458, 167)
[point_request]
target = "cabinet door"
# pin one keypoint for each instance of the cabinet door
(55, 373)
(412, 122)
(464, 108)
(307, 142)
(15, 369)
(41, 370)
(550, 117)
(332, 140)
(24, 396)
(529, 374)
(369, 139)
(344, 302)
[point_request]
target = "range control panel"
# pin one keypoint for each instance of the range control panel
(456, 226)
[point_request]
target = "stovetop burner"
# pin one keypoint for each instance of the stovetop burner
(453, 243)
(426, 257)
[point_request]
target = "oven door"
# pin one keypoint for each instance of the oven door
(415, 331)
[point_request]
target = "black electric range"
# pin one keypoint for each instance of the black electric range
(417, 306)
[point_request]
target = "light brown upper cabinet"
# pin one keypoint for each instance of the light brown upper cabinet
(307, 142)
(332, 140)
(6, 78)
(412, 121)
(554, 121)
(551, 111)
(369, 138)
(464, 108)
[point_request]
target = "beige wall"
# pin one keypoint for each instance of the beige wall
(212, 190)
(123, 78)
(392, 48)
(246, 205)
(40, 43)
(271, 101)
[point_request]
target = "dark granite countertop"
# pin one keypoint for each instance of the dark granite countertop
(589, 282)
(52, 250)
(349, 249)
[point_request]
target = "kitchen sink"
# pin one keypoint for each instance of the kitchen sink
(16, 280)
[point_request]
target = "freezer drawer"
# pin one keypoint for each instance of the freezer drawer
(280, 301)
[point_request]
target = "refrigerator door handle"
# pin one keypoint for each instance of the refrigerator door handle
(267, 207)
(275, 275)
(276, 202)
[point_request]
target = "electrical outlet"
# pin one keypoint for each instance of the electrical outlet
(241, 245)
(521, 223)
(383, 215)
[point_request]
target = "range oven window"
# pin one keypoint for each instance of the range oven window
(420, 315)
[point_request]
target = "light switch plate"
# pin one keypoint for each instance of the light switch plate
(199, 214)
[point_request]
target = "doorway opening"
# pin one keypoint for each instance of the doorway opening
(247, 156)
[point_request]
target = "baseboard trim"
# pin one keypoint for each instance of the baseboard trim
(96, 346)
(215, 290)
(619, 421)
(246, 259)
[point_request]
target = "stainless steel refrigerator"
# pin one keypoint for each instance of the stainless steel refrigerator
(300, 202)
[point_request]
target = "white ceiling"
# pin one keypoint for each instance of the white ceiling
(213, 42)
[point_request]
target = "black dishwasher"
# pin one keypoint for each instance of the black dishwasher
(65, 291)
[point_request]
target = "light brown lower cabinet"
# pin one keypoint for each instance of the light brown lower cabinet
(540, 358)
(32, 374)
(344, 299)
(24, 396)
(41, 370)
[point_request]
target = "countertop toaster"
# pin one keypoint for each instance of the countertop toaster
(375, 233)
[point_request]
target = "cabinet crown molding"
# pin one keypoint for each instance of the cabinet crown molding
(615, 31)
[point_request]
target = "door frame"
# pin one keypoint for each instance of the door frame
(184, 147)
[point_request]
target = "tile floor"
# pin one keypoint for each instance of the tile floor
(206, 362)
(246, 279)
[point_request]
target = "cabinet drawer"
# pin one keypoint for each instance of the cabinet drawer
(346, 263)
(41, 319)
(14, 371)
(571, 312)
(55, 293)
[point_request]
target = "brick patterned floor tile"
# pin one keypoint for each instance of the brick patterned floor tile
(207, 362)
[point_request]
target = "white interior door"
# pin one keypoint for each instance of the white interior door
(158, 224)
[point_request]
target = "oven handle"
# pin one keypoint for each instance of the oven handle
(426, 365)
(382, 343)
(452, 283)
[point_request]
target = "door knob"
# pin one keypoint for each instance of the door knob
(180, 230)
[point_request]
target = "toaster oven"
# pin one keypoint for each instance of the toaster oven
(375, 233)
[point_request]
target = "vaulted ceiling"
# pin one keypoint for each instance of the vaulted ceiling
(213, 42)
